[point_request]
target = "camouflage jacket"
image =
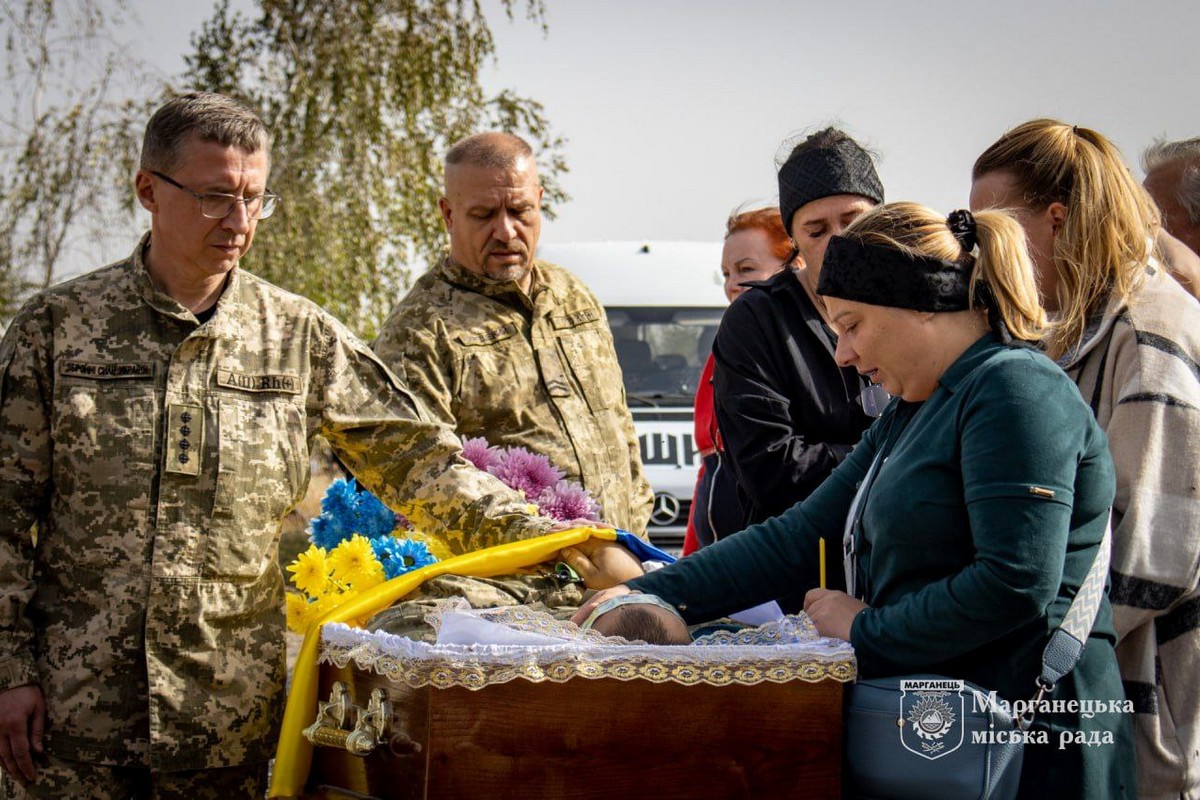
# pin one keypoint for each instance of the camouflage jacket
(157, 457)
(537, 371)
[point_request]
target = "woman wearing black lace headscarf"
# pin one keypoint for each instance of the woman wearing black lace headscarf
(787, 413)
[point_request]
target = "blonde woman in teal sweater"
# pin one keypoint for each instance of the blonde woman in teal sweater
(988, 506)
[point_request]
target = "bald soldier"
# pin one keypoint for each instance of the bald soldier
(155, 423)
(500, 345)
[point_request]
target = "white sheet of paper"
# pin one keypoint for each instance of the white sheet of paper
(760, 614)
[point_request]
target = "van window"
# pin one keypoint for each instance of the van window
(661, 350)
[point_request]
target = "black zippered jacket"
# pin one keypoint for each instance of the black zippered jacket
(787, 413)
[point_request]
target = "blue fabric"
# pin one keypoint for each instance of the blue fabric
(643, 549)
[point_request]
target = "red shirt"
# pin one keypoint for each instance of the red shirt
(706, 419)
(707, 438)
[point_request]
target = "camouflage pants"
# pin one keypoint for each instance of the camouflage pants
(60, 778)
(540, 590)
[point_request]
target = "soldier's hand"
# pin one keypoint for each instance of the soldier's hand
(22, 720)
(602, 564)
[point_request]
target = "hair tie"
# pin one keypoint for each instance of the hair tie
(962, 224)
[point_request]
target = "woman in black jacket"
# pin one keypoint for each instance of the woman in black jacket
(787, 413)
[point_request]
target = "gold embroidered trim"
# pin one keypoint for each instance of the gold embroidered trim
(444, 674)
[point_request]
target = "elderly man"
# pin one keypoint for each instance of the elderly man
(1173, 180)
(155, 421)
(500, 345)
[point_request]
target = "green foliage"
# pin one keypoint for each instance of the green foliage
(65, 140)
(362, 98)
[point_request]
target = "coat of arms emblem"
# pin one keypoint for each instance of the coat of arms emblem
(931, 717)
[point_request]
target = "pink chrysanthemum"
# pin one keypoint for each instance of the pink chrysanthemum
(526, 472)
(567, 500)
(480, 453)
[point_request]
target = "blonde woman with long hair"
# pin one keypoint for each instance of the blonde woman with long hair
(1129, 336)
(985, 493)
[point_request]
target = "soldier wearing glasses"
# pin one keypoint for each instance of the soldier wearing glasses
(155, 419)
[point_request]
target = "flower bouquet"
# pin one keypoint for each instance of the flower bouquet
(357, 542)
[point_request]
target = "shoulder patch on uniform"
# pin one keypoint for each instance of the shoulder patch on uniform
(573, 318)
(229, 379)
(106, 370)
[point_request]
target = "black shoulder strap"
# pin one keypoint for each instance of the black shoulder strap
(1095, 403)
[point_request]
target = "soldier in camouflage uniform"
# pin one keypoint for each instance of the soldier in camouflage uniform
(516, 350)
(155, 421)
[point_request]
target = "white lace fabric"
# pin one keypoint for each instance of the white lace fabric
(533, 646)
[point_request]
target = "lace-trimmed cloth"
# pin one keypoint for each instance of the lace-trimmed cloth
(778, 652)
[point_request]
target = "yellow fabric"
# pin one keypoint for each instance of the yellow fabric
(294, 755)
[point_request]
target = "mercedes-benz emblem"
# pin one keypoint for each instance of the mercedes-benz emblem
(666, 509)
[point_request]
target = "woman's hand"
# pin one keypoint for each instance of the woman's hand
(587, 608)
(602, 564)
(832, 612)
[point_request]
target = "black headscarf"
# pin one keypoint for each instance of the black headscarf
(825, 164)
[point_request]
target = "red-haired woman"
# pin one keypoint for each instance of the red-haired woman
(756, 247)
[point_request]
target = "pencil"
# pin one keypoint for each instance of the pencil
(821, 548)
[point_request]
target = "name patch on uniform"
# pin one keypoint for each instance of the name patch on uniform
(488, 335)
(109, 371)
(229, 379)
(573, 318)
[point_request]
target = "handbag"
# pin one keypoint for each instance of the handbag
(912, 737)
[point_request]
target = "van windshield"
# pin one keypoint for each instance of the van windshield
(661, 350)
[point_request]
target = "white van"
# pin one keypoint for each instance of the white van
(664, 301)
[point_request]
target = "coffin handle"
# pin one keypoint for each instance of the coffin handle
(330, 727)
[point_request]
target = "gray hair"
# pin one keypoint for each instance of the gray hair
(1163, 153)
(207, 116)
(491, 149)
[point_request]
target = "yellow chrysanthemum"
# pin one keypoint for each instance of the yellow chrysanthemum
(368, 578)
(299, 612)
(310, 571)
(353, 562)
(323, 605)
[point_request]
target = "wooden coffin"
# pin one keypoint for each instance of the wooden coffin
(590, 738)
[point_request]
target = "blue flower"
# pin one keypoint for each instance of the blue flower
(399, 556)
(346, 511)
(341, 499)
(375, 519)
(324, 532)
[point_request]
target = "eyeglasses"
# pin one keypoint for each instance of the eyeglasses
(219, 206)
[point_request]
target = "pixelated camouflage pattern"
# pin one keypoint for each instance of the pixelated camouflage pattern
(539, 589)
(59, 778)
(537, 371)
(157, 458)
